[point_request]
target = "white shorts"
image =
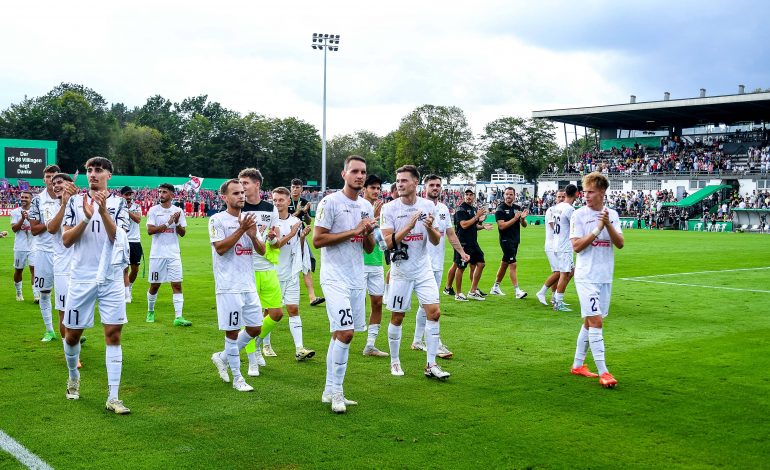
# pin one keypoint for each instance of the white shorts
(438, 275)
(61, 284)
(552, 261)
(375, 280)
(290, 290)
(594, 298)
(564, 262)
(400, 292)
(21, 259)
(235, 310)
(346, 308)
(43, 270)
(82, 298)
(165, 270)
(32, 256)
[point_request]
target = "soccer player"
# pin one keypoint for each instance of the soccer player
(289, 267)
(165, 224)
(299, 207)
(268, 286)
(93, 223)
(562, 247)
(594, 230)
(468, 221)
(553, 278)
(233, 236)
(374, 271)
(443, 223)
(42, 209)
(510, 218)
(134, 212)
(21, 244)
(343, 231)
(407, 226)
(64, 189)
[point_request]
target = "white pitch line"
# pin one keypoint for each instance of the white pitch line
(697, 285)
(20, 453)
(695, 272)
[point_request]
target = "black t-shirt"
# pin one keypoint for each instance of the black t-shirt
(293, 207)
(465, 212)
(505, 213)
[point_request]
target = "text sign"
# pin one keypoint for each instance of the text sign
(24, 162)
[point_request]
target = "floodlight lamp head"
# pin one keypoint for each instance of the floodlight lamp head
(314, 46)
(315, 35)
(337, 36)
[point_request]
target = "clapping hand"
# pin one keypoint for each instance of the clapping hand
(428, 221)
(414, 219)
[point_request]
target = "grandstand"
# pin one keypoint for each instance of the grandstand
(705, 155)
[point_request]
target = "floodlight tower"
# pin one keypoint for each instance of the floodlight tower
(324, 42)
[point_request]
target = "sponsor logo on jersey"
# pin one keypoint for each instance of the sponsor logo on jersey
(412, 237)
(357, 239)
(242, 250)
(602, 243)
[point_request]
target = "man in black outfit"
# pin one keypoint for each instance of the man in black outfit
(510, 218)
(468, 221)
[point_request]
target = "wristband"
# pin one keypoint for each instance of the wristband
(87, 220)
(595, 232)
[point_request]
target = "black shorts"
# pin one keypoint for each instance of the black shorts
(510, 248)
(474, 251)
(135, 255)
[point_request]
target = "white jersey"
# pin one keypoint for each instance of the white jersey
(596, 263)
(343, 264)
(442, 223)
(232, 270)
(290, 258)
(133, 227)
(267, 216)
(43, 209)
(62, 256)
(87, 251)
(548, 229)
(395, 216)
(165, 244)
(561, 237)
(23, 238)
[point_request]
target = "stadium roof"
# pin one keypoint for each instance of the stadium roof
(658, 115)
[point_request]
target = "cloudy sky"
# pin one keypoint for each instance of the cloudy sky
(490, 58)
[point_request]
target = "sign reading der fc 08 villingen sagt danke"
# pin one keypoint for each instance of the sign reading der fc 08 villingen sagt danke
(24, 162)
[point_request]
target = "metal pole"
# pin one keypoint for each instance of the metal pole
(323, 134)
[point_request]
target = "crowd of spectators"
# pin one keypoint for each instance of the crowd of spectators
(673, 156)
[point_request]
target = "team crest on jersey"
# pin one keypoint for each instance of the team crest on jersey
(442, 216)
(265, 217)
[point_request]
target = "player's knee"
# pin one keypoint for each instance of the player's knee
(253, 331)
(345, 336)
(397, 318)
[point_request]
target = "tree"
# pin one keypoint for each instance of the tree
(361, 143)
(139, 151)
(436, 139)
(294, 151)
(527, 146)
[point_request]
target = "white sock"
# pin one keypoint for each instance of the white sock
(542, 290)
(372, 332)
(114, 360)
(339, 364)
(394, 341)
(252, 358)
(151, 298)
(72, 354)
(596, 341)
(329, 369)
(45, 310)
(18, 287)
(419, 325)
(497, 284)
(243, 340)
(130, 287)
(295, 326)
(233, 357)
(35, 290)
(432, 340)
(178, 300)
(266, 339)
(559, 297)
(128, 291)
(582, 347)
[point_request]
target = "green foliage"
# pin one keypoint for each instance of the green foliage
(524, 146)
(436, 139)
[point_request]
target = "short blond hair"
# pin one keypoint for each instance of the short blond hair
(597, 180)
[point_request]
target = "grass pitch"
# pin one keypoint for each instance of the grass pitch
(692, 363)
